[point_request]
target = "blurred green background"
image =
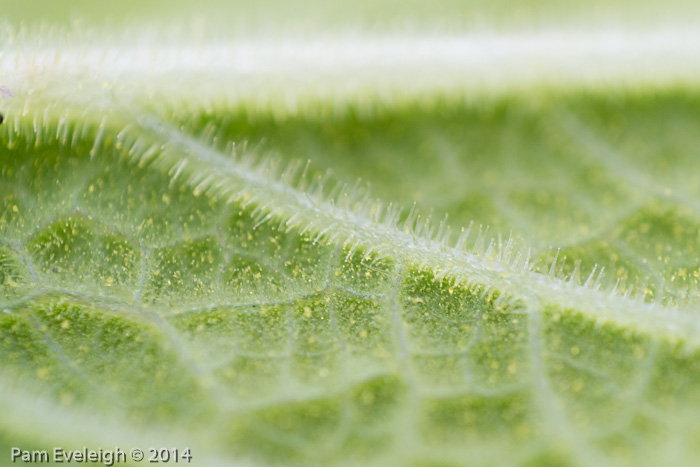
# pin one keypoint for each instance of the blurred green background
(386, 14)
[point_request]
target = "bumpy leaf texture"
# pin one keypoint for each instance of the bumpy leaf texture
(187, 261)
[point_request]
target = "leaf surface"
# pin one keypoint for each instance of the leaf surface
(174, 273)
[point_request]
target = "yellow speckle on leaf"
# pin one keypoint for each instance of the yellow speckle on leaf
(307, 312)
(166, 198)
(575, 350)
(15, 208)
(43, 373)
(65, 324)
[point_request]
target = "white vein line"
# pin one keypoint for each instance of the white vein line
(633, 257)
(550, 407)
(202, 375)
(347, 412)
(613, 160)
(555, 55)
(26, 260)
(634, 396)
(142, 278)
(413, 400)
(68, 365)
(397, 323)
(239, 182)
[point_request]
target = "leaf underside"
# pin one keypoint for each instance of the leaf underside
(150, 296)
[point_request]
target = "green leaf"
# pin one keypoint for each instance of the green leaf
(175, 274)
